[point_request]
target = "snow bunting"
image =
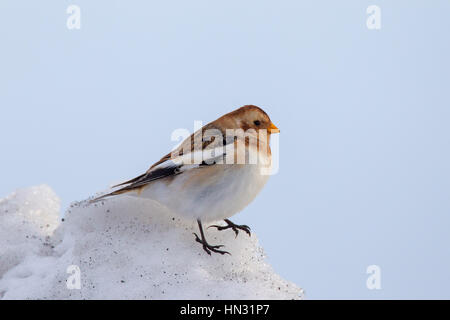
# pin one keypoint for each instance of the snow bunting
(213, 174)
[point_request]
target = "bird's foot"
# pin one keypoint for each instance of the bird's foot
(208, 248)
(234, 227)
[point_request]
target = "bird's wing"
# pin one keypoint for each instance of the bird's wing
(168, 166)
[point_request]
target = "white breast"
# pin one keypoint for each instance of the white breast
(210, 193)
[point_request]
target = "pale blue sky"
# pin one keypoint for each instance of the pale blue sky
(364, 116)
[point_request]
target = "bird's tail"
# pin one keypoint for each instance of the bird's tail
(111, 194)
(120, 191)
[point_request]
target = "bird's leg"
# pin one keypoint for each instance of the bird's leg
(206, 246)
(232, 226)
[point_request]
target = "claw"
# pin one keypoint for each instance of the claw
(216, 226)
(206, 246)
(234, 227)
(197, 238)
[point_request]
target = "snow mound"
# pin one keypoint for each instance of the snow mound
(27, 218)
(123, 248)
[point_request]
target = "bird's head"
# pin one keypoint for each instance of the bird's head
(251, 117)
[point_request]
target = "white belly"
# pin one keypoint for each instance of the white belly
(211, 193)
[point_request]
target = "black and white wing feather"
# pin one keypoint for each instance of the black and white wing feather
(171, 167)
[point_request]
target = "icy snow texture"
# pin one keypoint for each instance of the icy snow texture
(126, 249)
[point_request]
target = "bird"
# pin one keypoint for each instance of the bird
(213, 174)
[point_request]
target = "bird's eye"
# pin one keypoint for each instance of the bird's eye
(257, 122)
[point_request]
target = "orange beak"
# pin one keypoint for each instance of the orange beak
(273, 128)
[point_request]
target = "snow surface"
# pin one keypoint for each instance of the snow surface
(125, 248)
